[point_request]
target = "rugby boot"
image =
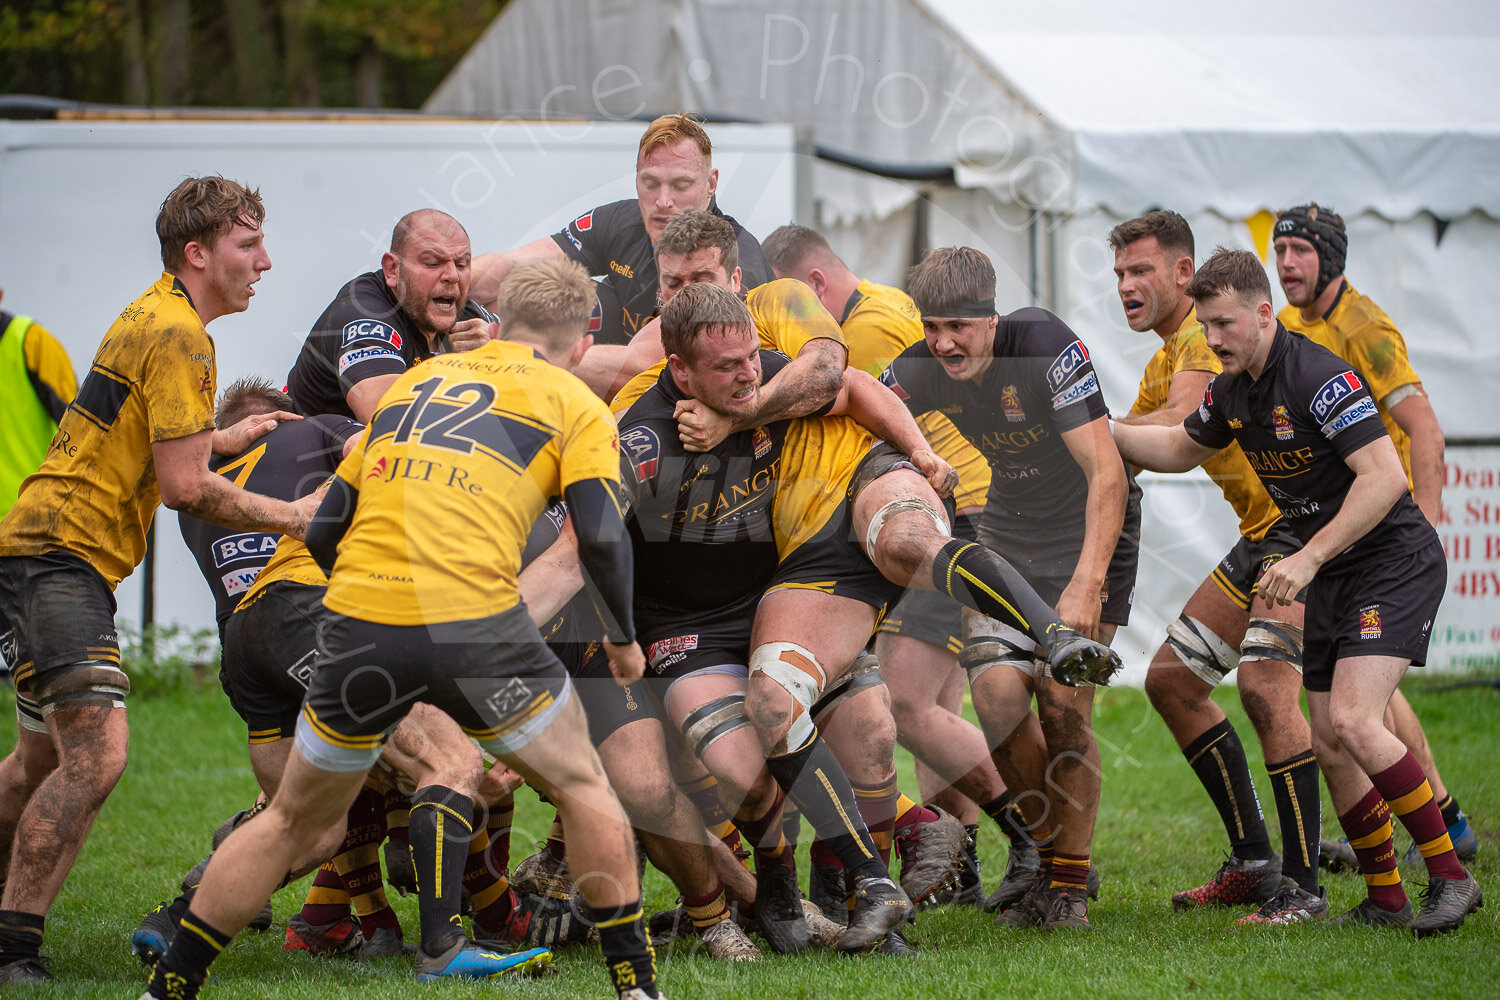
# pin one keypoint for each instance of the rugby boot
(778, 909)
(472, 960)
(825, 888)
(1237, 883)
(541, 922)
(543, 875)
(895, 943)
(1465, 843)
(1022, 869)
(1064, 907)
(726, 942)
(929, 857)
(1292, 904)
(1075, 659)
(665, 925)
(1445, 904)
(1337, 856)
(153, 935)
(1029, 910)
(879, 908)
(821, 930)
(26, 972)
(1371, 914)
(385, 941)
(639, 994)
(342, 937)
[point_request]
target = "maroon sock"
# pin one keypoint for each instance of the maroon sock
(1368, 827)
(1405, 787)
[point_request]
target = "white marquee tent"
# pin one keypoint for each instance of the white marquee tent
(1051, 122)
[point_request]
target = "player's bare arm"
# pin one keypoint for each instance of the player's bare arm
(186, 484)
(490, 269)
(878, 410)
(1183, 397)
(1378, 484)
(805, 386)
(1414, 415)
(1160, 449)
(1104, 516)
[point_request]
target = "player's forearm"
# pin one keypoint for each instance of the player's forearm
(1103, 519)
(1159, 448)
(1370, 498)
(551, 580)
(805, 386)
(878, 410)
(1427, 452)
(220, 502)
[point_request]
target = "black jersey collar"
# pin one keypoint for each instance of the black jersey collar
(1344, 287)
(178, 286)
(1279, 348)
(855, 298)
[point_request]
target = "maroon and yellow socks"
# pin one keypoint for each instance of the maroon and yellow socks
(1294, 782)
(1404, 786)
(705, 911)
(1069, 871)
(704, 794)
(1368, 828)
(326, 901)
(877, 807)
(497, 826)
(1218, 759)
(766, 832)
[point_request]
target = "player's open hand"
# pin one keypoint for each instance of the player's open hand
(1287, 577)
(243, 433)
(626, 662)
(468, 334)
(700, 427)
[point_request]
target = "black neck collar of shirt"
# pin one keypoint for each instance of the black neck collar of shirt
(1279, 347)
(855, 298)
(178, 286)
(1343, 287)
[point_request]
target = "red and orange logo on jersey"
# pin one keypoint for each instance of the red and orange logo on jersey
(1369, 622)
(761, 441)
(1010, 403)
(377, 471)
(1281, 422)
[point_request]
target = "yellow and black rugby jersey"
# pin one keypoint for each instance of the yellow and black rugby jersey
(152, 380)
(1360, 332)
(787, 315)
(1187, 350)
(464, 454)
(879, 322)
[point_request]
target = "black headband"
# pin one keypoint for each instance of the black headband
(1325, 231)
(965, 310)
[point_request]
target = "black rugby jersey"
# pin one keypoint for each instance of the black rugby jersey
(1296, 424)
(1040, 384)
(288, 463)
(611, 241)
(700, 521)
(362, 334)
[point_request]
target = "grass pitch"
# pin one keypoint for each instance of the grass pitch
(1157, 833)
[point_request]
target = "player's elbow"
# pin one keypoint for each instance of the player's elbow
(183, 494)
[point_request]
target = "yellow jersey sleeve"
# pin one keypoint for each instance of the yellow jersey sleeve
(788, 315)
(49, 361)
(636, 388)
(178, 383)
(882, 323)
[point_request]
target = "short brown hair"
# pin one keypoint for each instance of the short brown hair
(200, 210)
(949, 278)
(244, 396)
(788, 247)
(695, 309)
(692, 230)
(552, 298)
(669, 130)
(1172, 232)
(1227, 271)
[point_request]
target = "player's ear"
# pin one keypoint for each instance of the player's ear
(390, 265)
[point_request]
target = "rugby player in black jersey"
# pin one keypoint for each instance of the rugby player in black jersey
(383, 322)
(1373, 566)
(1022, 389)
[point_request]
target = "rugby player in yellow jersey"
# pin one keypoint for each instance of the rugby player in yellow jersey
(918, 640)
(139, 433)
(422, 535)
(1227, 622)
(1311, 246)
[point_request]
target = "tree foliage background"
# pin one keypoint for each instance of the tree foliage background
(244, 53)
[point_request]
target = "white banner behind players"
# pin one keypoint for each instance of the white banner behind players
(1467, 632)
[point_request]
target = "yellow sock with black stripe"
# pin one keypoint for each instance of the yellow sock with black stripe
(979, 578)
(628, 954)
(181, 971)
(441, 828)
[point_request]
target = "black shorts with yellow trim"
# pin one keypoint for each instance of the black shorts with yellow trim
(57, 612)
(1240, 569)
(1381, 607)
(832, 561)
(1046, 552)
(270, 647)
(494, 676)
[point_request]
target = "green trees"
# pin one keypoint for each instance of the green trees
(247, 53)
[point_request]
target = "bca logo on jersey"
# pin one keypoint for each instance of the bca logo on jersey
(888, 379)
(644, 449)
(584, 222)
(371, 329)
(1333, 392)
(250, 545)
(1066, 364)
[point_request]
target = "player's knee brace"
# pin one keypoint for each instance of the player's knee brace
(712, 721)
(903, 506)
(29, 714)
(991, 643)
(90, 683)
(863, 675)
(796, 670)
(1201, 650)
(1269, 639)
